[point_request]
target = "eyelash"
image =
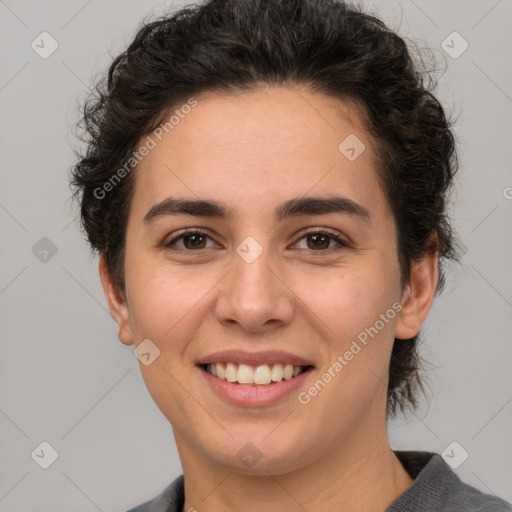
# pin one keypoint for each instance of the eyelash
(332, 235)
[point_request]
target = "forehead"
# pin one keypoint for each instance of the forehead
(269, 143)
(283, 121)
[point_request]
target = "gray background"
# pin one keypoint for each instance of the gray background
(67, 380)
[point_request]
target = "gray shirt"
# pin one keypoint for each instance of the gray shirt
(436, 488)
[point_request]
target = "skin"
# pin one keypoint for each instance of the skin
(253, 151)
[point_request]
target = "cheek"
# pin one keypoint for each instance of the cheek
(168, 308)
(357, 340)
(347, 300)
(357, 331)
(166, 304)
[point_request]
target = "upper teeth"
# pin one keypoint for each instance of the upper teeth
(245, 374)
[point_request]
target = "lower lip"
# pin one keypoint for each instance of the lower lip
(257, 395)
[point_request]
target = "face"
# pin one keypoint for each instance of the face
(272, 273)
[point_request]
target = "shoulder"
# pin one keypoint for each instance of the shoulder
(436, 487)
(171, 499)
(468, 499)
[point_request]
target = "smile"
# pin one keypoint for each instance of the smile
(261, 375)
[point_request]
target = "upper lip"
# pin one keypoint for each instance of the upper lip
(254, 358)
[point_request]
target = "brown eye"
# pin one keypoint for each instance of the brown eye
(194, 241)
(320, 241)
(191, 240)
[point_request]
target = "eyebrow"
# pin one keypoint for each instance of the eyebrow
(291, 208)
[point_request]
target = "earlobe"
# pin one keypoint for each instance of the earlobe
(418, 296)
(116, 303)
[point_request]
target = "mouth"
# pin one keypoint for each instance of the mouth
(262, 375)
(255, 379)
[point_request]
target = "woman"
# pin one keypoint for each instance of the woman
(266, 184)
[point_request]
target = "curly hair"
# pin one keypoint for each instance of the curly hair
(331, 47)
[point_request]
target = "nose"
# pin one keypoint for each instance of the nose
(254, 296)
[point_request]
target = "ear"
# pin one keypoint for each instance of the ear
(116, 303)
(419, 294)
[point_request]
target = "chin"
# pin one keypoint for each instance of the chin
(260, 454)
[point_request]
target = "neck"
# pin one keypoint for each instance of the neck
(344, 479)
